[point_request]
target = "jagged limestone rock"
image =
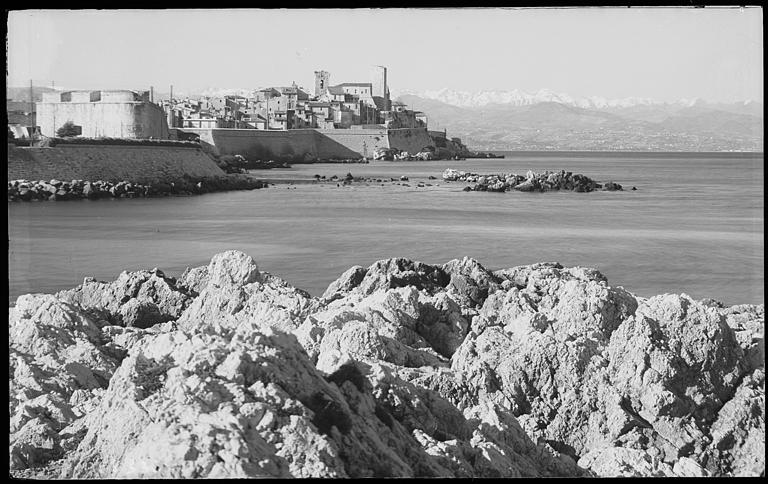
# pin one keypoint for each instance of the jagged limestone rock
(141, 299)
(400, 369)
(55, 349)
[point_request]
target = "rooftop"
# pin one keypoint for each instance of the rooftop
(354, 84)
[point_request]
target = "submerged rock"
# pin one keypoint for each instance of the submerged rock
(399, 369)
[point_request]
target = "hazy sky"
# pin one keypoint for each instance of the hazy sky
(661, 53)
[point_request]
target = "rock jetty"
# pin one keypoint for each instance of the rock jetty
(530, 182)
(399, 369)
(58, 190)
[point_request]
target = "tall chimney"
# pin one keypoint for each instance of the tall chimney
(151, 94)
(31, 98)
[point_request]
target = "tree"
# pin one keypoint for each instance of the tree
(68, 130)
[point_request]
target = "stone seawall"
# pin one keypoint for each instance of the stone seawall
(292, 145)
(301, 145)
(350, 143)
(138, 164)
(411, 140)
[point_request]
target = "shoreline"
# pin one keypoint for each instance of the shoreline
(260, 175)
(393, 367)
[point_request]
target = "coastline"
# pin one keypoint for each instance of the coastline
(189, 176)
(131, 356)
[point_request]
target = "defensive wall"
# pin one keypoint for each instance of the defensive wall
(412, 140)
(117, 114)
(139, 164)
(254, 144)
(299, 145)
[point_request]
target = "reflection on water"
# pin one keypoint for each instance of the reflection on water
(694, 225)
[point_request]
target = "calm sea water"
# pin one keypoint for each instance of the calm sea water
(694, 225)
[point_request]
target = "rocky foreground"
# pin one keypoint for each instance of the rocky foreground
(399, 369)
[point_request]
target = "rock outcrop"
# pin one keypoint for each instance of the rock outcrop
(399, 369)
(530, 182)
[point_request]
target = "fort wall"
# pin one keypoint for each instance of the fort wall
(350, 143)
(104, 119)
(299, 145)
(254, 144)
(412, 140)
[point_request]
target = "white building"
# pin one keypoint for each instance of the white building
(103, 114)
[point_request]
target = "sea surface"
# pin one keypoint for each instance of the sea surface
(694, 225)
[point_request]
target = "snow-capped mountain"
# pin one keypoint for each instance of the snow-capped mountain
(516, 97)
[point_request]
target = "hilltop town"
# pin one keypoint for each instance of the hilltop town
(350, 120)
(341, 106)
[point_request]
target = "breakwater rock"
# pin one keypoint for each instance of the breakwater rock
(399, 369)
(530, 182)
(58, 190)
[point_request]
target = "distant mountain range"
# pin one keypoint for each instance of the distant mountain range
(516, 97)
(514, 120)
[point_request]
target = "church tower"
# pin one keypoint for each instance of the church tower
(379, 87)
(322, 82)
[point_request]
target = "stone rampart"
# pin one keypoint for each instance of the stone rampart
(294, 145)
(299, 145)
(350, 143)
(412, 140)
(104, 119)
(139, 164)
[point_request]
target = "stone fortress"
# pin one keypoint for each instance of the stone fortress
(342, 121)
(351, 120)
(102, 114)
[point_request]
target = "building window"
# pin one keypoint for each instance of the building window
(66, 97)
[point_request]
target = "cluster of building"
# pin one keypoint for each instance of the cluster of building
(132, 114)
(342, 106)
